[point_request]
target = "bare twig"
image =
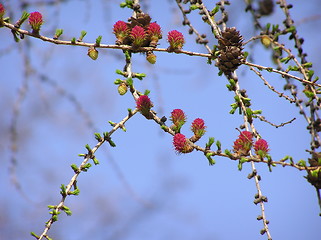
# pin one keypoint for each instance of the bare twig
(282, 73)
(263, 119)
(187, 22)
(271, 87)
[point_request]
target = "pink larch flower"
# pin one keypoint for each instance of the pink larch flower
(121, 31)
(243, 144)
(154, 33)
(261, 148)
(181, 144)
(144, 104)
(175, 39)
(198, 128)
(178, 116)
(246, 136)
(178, 119)
(35, 21)
(138, 36)
(2, 11)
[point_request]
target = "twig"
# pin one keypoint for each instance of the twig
(283, 74)
(186, 21)
(217, 30)
(319, 198)
(263, 119)
(79, 170)
(271, 87)
(70, 97)
(260, 198)
(288, 23)
(21, 95)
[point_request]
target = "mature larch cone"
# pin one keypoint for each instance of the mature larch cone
(230, 45)
(142, 20)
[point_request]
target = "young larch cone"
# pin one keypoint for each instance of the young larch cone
(198, 128)
(138, 36)
(243, 144)
(178, 119)
(230, 45)
(176, 40)
(246, 136)
(144, 104)
(121, 31)
(154, 33)
(261, 148)
(181, 144)
(35, 21)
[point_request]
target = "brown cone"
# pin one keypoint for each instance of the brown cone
(230, 46)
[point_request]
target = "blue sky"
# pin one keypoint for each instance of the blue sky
(142, 189)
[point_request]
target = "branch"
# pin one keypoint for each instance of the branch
(263, 119)
(282, 73)
(66, 191)
(110, 46)
(200, 38)
(271, 87)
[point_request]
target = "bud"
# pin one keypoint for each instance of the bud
(243, 144)
(154, 33)
(176, 40)
(151, 57)
(92, 53)
(178, 119)
(144, 104)
(35, 21)
(198, 128)
(122, 88)
(121, 31)
(266, 41)
(138, 35)
(181, 144)
(261, 148)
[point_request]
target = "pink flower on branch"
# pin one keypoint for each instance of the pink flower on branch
(35, 21)
(178, 119)
(121, 31)
(181, 144)
(144, 104)
(154, 33)
(138, 36)
(243, 144)
(198, 128)
(261, 148)
(176, 40)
